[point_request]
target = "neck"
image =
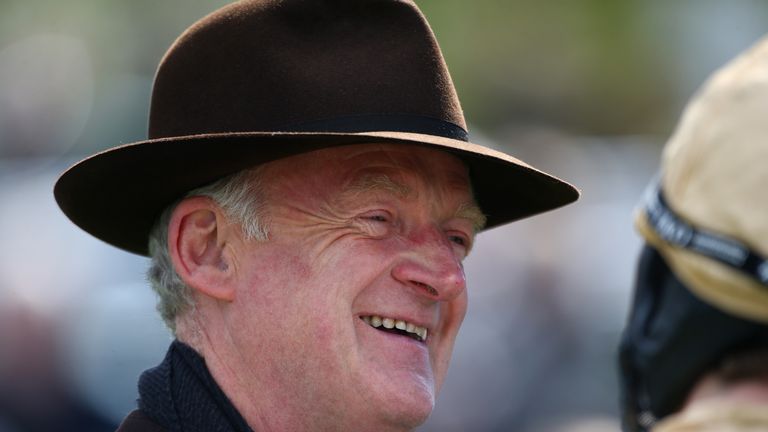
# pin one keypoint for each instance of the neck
(266, 396)
(754, 391)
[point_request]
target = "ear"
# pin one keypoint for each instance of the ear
(196, 246)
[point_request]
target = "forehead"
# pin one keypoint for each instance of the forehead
(402, 161)
(347, 166)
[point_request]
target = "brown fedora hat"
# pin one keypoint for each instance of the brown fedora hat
(261, 80)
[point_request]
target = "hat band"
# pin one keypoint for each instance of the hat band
(384, 122)
(726, 250)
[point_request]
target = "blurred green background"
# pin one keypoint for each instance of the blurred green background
(594, 67)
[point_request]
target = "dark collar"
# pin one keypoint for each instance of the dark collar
(182, 396)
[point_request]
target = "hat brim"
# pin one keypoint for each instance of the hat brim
(117, 195)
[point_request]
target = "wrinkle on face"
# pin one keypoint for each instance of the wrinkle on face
(372, 182)
(319, 230)
(375, 179)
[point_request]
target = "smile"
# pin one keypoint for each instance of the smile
(392, 325)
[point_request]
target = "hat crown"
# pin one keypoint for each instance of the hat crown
(261, 80)
(712, 167)
(292, 65)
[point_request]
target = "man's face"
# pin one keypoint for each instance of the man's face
(358, 235)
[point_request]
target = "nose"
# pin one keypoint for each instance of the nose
(430, 266)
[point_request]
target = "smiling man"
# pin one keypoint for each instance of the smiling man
(307, 195)
(359, 291)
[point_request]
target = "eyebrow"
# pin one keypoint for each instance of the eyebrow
(382, 182)
(472, 212)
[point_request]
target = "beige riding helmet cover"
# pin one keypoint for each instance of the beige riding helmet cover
(714, 176)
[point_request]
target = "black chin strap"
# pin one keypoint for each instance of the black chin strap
(672, 229)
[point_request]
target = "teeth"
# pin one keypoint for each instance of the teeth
(390, 323)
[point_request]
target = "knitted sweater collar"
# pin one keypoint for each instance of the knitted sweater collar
(182, 396)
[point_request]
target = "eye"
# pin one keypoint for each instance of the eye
(462, 242)
(377, 217)
(376, 223)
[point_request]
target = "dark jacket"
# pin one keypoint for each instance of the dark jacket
(180, 395)
(138, 421)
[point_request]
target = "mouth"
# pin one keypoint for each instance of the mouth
(395, 326)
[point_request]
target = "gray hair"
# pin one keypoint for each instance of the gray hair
(241, 198)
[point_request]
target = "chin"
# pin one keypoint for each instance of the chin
(401, 396)
(407, 409)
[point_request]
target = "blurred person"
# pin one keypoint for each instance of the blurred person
(35, 395)
(307, 195)
(733, 396)
(694, 354)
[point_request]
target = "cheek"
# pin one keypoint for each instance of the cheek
(279, 271)
(357, 263)
(457, 310)
(377, 250)
(269, 288)
(451, 316)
